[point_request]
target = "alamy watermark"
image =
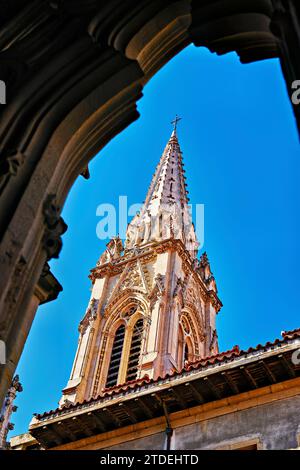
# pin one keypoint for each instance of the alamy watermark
(295, 97)
(2, 92)
(2, 352)
(114, 220)
(296, 357)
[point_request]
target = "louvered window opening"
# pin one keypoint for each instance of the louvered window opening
(135, 351)
(186, 353)
(115, 358)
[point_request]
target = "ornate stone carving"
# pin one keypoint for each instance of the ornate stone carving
(158, 289)
(6, 411)
(179, 291)
(48, 287)
(133, 279)
(55, 227)
(113, 251)
(125, 300)
(206, 273)
(213, 346)
(9, 167)
(90, 315)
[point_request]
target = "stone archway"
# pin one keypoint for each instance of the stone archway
(73, 72)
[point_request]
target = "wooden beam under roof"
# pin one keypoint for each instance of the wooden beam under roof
(113, 417)
(97, 421)
(249, 376)
(82, 426)
(268, 371)
(129, 412)
(147, 410)
(195, 392)
(55, 436)
(234, 388)
(212, 387)
(287, 365)
(178, 397)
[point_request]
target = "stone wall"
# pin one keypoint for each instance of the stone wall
(271, 426)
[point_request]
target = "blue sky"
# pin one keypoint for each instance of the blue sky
(240, 148)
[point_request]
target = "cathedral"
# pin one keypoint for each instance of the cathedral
(148, 373)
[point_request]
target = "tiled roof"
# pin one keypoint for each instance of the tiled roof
(219, 358)
(291, 334)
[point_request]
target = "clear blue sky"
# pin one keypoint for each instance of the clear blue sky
(241, 154)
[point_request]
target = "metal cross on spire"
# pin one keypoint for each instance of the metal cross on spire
(175, 121)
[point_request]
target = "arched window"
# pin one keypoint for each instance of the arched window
(160, 225)
(135, 351)
(180, 347)
(186, 352)
(115, 358)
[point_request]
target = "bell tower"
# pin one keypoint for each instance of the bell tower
(153, 303)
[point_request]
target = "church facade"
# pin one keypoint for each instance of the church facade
(148, 373)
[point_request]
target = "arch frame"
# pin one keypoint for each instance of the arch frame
(111, 322)
(196, 333)
(63, 107)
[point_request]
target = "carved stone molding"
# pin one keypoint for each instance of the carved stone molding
(158, 289)
(90, 316)
(213, 346)
(55, 227)
(14, 290)
(9, 166)
(131, 296)
(48, 287)
(7, 409)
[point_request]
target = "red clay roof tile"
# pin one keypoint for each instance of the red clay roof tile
(202, 363)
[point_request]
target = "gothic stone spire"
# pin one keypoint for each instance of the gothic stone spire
(153, 306)
(165, 213)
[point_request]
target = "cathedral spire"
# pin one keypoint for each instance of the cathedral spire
(153, 306)
(165, 213)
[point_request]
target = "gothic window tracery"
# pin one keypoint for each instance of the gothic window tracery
(185, 325)
(129, 312)
(125, 346)
(188, 347)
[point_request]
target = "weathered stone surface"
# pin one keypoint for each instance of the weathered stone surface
(273, 426)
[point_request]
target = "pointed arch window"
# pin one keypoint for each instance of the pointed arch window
(135, 351)
(115, 358)
(186, 352)
(180, 350)
(160, 225)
